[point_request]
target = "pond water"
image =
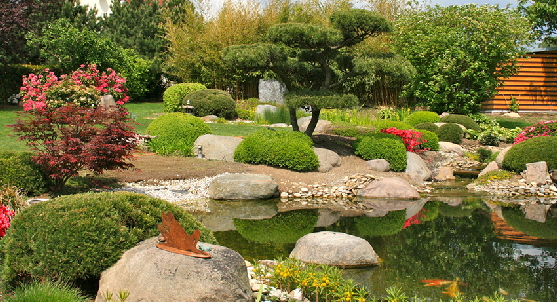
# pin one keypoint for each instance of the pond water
(454, 234)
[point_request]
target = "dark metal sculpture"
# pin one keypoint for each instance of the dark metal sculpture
(177, 240)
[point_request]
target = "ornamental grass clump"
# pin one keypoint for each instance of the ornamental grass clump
(74, 238)
(382, 146)
(541, 148)
(174, 133)
(285, 149)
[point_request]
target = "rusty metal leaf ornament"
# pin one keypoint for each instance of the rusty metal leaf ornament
(177, 240)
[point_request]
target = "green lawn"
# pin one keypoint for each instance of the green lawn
(8, 141)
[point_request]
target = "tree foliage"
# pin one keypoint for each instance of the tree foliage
(310, 58)
(460, 53)
(543, 15)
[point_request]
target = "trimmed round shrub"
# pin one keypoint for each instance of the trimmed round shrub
(541, 148)
(516, 218)
(286, 149)
(173, 96)
(285, 227)
(450, 132)
(351, 130)
(76, 237)
(391, 148)
(464, 120)
(212, 102)
(431, 140)
(427, 126)
(175, 133)
(418, 117)
(18, 169)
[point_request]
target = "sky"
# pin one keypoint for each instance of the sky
(502, 3)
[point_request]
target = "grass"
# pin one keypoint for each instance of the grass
(10, 142)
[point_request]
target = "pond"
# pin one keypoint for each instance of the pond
(453, 234)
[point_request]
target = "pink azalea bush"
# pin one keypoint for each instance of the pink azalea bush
(546, 128)
(5, 217)
(411, 139)
(83, 88)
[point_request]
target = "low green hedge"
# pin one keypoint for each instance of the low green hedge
(382, 146)
(19, 170)
(76, 237)
(427, 126)
(286, 149)
(541, 148)
(175, 133)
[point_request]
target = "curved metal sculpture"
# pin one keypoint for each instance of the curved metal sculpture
(177, 240)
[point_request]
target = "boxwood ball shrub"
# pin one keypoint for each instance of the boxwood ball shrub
(391, 148)
(450, 132)
(212, 102)
(76, 237)
(173, 96)
(175, 133)
(431, 140)
(18, 169)
(286, 149)
(541, 148)
(466, 121)
(418, 117)
(427, 126)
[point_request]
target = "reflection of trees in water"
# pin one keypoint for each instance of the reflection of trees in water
(284, 227)
(516, 218)
(464, 247)
(253, 251)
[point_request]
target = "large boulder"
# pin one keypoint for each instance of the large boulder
(381, 165)
(492, 166)
(501, 156)
(415, 165)
(451, 147)
(216, 146)
(327, 159)
(321, 126)
(333, 248)
(243, 186)
(444, 173)
(151, 274)
(390, 187)
(536, 172)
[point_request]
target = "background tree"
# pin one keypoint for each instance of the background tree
(543, 14)
(310, 59)
(63, 45)
(460, 53)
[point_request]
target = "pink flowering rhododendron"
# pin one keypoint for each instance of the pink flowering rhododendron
(5, 217)
(83, 88)
(546, 128)
(411, 139)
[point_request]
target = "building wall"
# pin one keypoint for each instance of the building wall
(534, 87)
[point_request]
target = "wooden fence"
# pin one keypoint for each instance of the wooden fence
(534, 87)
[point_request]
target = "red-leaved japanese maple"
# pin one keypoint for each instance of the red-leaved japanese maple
(70, 138)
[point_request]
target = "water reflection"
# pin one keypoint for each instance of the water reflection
(488, 246)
